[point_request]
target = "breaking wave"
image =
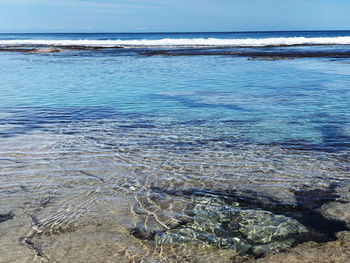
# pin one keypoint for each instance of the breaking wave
(184, 42)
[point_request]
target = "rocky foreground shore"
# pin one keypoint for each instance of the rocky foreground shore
(331, 252)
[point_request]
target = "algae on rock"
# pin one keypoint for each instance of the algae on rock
(247, 231)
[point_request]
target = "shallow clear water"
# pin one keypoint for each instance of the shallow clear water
(113, 155)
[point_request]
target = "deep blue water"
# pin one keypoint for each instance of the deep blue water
(138, 36)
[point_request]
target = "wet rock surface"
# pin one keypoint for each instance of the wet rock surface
(246, 231)
(6, 217)
(311, 252)
(337, 211)
(254, 226)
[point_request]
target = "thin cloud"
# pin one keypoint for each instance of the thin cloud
(86, 3)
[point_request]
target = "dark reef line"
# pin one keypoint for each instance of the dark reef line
(253, 53)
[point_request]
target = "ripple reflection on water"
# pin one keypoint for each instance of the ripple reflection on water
(102, 179)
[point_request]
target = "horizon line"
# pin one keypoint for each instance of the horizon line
(179, 32)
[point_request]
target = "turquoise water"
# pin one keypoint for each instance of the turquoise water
(137, 139)
(263, 101)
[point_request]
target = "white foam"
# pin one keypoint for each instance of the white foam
(185, 42)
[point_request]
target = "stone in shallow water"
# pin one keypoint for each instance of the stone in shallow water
(247, 231)
(6, 217)
(337, 211)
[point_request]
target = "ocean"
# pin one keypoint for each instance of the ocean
(172, 147)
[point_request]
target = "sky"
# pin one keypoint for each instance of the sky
(172, 15)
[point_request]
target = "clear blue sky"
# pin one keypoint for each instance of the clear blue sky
(172, 15)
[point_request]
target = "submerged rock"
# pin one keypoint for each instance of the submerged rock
(310, 252)
(45, 50)
(6, 217)
(337, 211)
(247, 231)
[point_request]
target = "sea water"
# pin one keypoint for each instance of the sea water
(133, 147)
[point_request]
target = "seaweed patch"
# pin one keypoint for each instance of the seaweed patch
(247, 224)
